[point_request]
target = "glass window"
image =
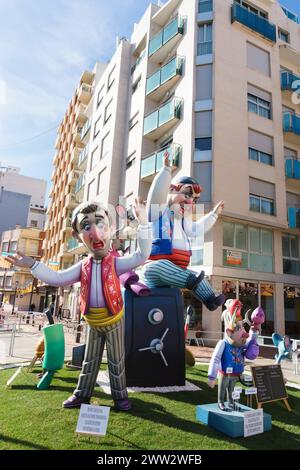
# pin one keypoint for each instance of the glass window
(108, 111)
(291, 311)
(205, 6)
(228, 234)
(240, 237)
(14, 245)
(204, 143)
(105, 146)
(259, 106)
(267, 304)
(5, 246)
(283, 35)
(254, 239)
(205, 39)
(266, 241)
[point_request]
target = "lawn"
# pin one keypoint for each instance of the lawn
(31, 419)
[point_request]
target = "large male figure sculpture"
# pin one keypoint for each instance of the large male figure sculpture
(101, 301)
(170, 205)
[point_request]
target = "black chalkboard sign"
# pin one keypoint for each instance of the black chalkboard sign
(270, 385)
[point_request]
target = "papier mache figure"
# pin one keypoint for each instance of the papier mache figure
(170, 205)
(101, 302)
(229, 354)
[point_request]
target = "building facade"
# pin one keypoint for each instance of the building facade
(22, 199)
(215, 82)
(17, 285)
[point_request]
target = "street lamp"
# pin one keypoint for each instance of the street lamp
(16, 287)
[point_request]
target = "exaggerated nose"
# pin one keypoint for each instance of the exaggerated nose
(96, 233)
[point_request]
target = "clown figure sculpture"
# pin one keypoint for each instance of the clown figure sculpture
(101, 302)
(170, 206)
(229, 354)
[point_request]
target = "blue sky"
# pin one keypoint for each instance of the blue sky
(45, 46)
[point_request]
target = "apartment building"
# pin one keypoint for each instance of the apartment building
(22, 199)
(17, 285)
(215, 83)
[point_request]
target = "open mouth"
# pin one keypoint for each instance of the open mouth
(98, 245)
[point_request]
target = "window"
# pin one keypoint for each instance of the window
(93, 158)
(291, 309)
(130, 161)
(91, 190)
(111, 79)
(204, 82)
(97, 126)
(290, 254)
(205, 6)
(283, 35)
(252, 9)
(108, 111)
(133, 121)
(101, 182)
(205, 39)
(260, 147)
(8, 281)
(138, 61)
(203, 124)
(5, 246)
(203, 144)
(33, 223)
(100, 96)
(136, 84)
(258, 106)
(261, 204)
(258, 59)
(247, 247)
(290, 153)
(105, 146)
(14, 245)
(202, 173)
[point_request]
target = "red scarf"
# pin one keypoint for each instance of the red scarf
(110, 285)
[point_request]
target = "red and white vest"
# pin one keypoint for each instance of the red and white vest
(110, 285)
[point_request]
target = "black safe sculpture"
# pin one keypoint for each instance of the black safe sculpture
(154, 338)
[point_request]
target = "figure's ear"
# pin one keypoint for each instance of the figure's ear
(121, 211)
(229, 331)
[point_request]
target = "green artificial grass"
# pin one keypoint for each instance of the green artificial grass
(32, 419)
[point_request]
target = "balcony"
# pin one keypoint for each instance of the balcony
(289, 54)
(162, 119)
(77, 135)
(291, 15)
(292, 171)
(80, 115)
(66, 225)
(80, 183)
(74, 156)
(291, 127)
(71, 201)
(162, 43)
(153, 163)
(164, 79)
(82, 159)
(289, 81)
(294, 217)
(85, 93)
(85, 131)
(75, 247)
(254, 22)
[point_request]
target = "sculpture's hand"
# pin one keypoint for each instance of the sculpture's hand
(20, 260)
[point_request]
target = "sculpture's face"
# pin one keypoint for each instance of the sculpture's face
(181, 198)
(94, 232)
(239, 335)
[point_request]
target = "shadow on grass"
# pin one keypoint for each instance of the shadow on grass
(13, 440)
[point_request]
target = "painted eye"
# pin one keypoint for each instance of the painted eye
(86, 227)
(100, 224)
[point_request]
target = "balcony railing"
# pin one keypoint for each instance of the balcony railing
(171, 31)
(163, 118)
(291, 123)
(85, 93)
(85, 129)
(294, 217)
(292, 168)
(165, 75)
(288, 80)
(205, 5)
(80, 183)
(253, 21)
(83, 155)
(153, 163)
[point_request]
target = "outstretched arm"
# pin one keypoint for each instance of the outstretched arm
(45, 274)
(203, 225)
(159, 190)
